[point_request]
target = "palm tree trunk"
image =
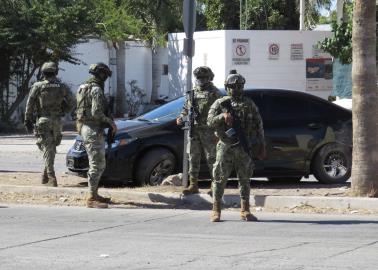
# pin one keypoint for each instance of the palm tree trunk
(365, 100)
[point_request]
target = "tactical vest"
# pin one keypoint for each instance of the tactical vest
(84, 106)
(50, 99)
(202, 103)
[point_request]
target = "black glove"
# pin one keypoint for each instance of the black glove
(29, 126)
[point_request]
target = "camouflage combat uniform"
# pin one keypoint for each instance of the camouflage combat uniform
(230, 155)
(203, 137)
(48, 101)
(91, 121)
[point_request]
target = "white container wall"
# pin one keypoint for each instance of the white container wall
(267, 59)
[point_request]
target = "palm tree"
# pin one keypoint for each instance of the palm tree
(311, 11)
(365, 100)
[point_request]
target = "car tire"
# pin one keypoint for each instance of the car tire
(155, 166)
(332, 164)
(285, 180)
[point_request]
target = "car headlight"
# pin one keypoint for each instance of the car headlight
(120, 142)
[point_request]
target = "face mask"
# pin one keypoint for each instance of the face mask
(236, 90)
(202, 81)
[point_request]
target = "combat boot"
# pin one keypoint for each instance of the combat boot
(193, 187)
(44, 178)
(245, 214)
(103, 199)
(94, 202)
(216, 213)
(51, 181)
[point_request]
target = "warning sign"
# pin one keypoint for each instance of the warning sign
(296, 51)
(240, 51)
(274, 50)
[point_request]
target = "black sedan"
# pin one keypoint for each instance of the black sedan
(304, 135)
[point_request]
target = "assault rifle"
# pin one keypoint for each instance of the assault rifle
(236, 130)
(192, 114)
(110, 136)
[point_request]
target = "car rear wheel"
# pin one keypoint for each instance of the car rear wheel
(155, 166)
(283, 180)
(332, 164)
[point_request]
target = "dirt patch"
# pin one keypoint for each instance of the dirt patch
(258, 187)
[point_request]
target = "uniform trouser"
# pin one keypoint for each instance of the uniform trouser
(94, 144)
(229, 158)
(203, 140)
(49, 136)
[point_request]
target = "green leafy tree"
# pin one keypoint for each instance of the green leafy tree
(32, 32)
(312, 8)
(259, 14)
(339, 45)
(116, 23)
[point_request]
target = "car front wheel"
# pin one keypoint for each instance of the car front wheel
(332, 164)
(155, 166)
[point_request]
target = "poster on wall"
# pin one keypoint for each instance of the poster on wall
(319, 74)
(296, 51)
(240, 51)
(274, 51)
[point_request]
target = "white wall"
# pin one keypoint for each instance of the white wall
(163, 90)
(89, 52)
(138, 65)
(214, 49)
(278, 73)
(209, 50)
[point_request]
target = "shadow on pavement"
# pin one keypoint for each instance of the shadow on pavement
(324, 222)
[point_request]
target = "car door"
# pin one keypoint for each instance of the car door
(292, 130)
(258, 98)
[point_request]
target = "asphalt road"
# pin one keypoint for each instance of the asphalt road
(42, 237)
(19, 153)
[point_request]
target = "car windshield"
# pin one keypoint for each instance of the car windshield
(164, 113)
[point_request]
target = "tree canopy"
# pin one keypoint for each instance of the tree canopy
(32, 32)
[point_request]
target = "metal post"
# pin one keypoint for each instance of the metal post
(186, 129)
(340, 11)
(240, 13)
(189, 27)
(301, 15)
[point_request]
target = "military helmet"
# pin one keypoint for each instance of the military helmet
(204, 71)
(95, 69)
(49, 67)
(233, 79)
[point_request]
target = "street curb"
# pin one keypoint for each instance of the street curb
(203, 201)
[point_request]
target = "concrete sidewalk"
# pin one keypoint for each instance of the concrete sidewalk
(204, 201)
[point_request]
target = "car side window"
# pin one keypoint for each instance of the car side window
(286, 107)
(318, 109)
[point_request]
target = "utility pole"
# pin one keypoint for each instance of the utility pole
(301, 15)
(240, 14)
(189, 21)
(340, 11)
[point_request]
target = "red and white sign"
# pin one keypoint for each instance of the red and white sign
(274, 50)
(240, 51)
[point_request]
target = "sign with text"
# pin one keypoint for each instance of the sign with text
(240, 51)
(319, 74)
(296, 51)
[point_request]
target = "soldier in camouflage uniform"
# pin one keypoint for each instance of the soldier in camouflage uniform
(91, 121)
(48, 101)
(205, 93)
(230, 153)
